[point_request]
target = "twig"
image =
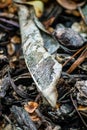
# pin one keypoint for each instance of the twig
(21, 94)
(7, 118)
(13, 23)
(82, 15)
(38, 97)
(66, 94)
(8, 15)
(78, 61)
(78, 111)
(73, 55)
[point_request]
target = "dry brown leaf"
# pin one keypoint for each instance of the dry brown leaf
(50, 30)
(48, 22)
(15, 40)
(74, 12)
(34, 117)
(82, 108)
(12, 8)
(70, 4)
(11, 49)
(57, 106)
(31, 107)
(5, 3)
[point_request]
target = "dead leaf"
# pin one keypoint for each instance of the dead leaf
(70, 4)
(12, 9)
(82, 108)
(34, 117)
(74, 12)
(15, 39)
(13, 61)
(48, 22)
(83, 12)
(40, 63)
(31, 106)
(57, 106)
(5, 3)
(11, 49)
(38, 6)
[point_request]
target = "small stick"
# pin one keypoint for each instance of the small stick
(73, 56)
(78, 111)
(78, 61)
(83, 17)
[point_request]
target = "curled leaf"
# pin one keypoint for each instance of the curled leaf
(15, 40)
(70, 4)
(34, 117)
(40, 25)
(31, 106)
(82, 108)
(5, 3)
(11, 48)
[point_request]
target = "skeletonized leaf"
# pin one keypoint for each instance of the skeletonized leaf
(44, 69)
(50, 43)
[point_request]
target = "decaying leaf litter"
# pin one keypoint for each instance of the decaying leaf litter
(43, 77)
